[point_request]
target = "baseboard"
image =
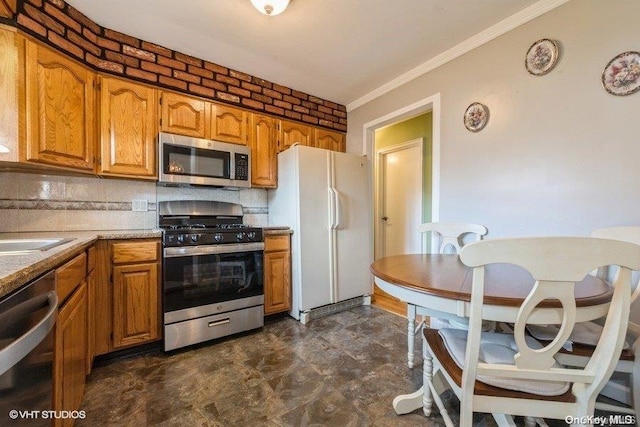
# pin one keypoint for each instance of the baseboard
(329, 309)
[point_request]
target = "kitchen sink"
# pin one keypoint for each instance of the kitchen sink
(22, 246)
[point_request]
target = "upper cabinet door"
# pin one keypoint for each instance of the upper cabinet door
(9, 94)
(128, 129)
(59, 107)
(229, 124)
(263, 151)
(330, 140)
(185, 115)
(292, 132)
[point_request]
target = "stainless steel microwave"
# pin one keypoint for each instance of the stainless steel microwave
(184, 160)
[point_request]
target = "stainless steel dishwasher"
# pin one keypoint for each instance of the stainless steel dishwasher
(27, 318)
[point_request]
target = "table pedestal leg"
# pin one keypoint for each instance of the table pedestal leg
(411, 333)
(406, 403)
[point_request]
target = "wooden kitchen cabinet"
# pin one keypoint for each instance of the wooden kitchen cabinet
(263, 144)
(185, 115)
(71, 354)
(71, 338)
(134, 290)
(277, 273)
(9, 53)
(190, 116)
(91, 289)
(292, 132)
(135, 304)
(58, 115)
(329, 140)
(128, 129)
(229, 124)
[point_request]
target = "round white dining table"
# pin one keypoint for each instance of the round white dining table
(441, 284)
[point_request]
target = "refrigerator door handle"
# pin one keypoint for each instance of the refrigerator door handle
(338, 217)
(332, 209)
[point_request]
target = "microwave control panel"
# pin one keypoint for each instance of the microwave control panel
(242, 167)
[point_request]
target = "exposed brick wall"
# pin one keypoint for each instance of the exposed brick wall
(63, 27)
(8, 9)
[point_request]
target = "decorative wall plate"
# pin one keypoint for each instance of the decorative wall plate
(621, 76)
(541, 57)
(476, 117)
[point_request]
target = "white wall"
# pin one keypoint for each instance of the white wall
(559, 154)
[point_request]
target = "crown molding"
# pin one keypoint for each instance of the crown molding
(525, 15)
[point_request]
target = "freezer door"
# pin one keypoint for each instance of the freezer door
(314, 228)
(352, 231)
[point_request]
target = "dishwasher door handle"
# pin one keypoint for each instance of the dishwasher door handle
(18, 349)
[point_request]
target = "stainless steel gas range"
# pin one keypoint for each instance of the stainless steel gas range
(212, 272)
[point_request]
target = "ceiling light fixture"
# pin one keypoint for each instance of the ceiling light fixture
(270, 7)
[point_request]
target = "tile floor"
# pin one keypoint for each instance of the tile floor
(341, 370)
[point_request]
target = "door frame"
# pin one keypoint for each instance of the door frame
(379, 230)
(431, 103)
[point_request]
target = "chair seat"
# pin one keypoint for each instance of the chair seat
(585, 333)
(449, 346)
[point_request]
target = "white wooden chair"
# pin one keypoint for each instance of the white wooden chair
(581, 344)
(450, 235)
(517, 375)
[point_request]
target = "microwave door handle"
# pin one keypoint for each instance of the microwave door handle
(232, 165)
(18, 349)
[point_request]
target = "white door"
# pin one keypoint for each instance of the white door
(400, 208)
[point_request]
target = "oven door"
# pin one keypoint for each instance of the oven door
(197, 276)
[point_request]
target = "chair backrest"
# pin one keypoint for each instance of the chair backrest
(450, 233)
(626, 234)
(558, 265)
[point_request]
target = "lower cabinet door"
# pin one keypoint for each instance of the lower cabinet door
(135, 304)
(70, 358)
(277, 282)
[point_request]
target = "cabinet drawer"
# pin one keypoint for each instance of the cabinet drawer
(70, 275)
(134, 252)
(276, 243)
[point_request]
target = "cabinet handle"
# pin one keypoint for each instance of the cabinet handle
(219, 322)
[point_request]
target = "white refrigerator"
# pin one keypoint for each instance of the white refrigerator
(324, 197)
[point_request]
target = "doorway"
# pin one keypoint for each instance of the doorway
(430, 182)
(400, 199)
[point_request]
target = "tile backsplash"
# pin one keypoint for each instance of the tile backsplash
(36, 202)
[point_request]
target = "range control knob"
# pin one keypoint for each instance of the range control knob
(217, 237)
(239, 236)
(251, 235)
(180, 238)
(195, 238)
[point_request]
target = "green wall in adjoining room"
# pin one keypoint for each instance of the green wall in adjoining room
(417, 127)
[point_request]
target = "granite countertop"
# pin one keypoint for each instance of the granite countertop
(18, 269)
(276, 230)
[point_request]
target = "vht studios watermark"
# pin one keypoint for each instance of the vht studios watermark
(603, 420)
(46, 415)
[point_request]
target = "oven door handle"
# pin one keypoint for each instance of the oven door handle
(212, 249)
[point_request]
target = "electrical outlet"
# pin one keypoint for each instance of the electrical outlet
(139, 205)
